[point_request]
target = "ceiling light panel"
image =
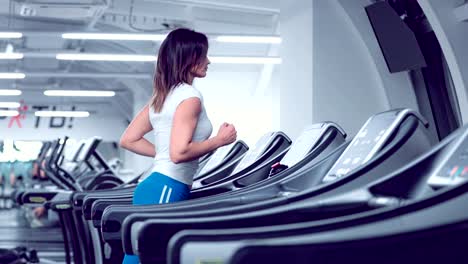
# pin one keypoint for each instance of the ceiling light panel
(249, 39)
(12, 75)
(9, 113)
(79, 93)
(105, 57)
(11, 56)
(11, 35)
(9, 104)
(161, 37)
(61, 113)
(109, 36)
(9, 92)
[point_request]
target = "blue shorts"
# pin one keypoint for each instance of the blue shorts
(157, 189)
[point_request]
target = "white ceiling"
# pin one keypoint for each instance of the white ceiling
(43, 21)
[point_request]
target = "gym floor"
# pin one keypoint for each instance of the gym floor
(15, 231)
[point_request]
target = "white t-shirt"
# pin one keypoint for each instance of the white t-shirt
(162, 126)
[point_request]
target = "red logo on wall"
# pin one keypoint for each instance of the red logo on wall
(21, 115)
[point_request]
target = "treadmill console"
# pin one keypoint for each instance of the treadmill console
(254, 153)
(368, 141)
(453, 169)
(217, 158)
(306, 141)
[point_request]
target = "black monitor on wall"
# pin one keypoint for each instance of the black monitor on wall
(397, 42)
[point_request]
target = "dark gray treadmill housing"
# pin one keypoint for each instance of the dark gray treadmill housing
(222, 157)
(329, 145)
(326, 144)
(433, 231)
(407, 140)
(268, 151)
(97, 175)
(254, 166)
(223, 163)
(410, 213)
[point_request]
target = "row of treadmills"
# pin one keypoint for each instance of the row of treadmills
(388, 195)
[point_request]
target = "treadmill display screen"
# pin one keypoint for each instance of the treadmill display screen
(254, 153)
(217, 158)
(302, 145)
(364, 146)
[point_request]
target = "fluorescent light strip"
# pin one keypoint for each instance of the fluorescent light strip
(161, 37)
(11, 56)
(79, 93)
(104, 57)
(12, 75)
(61, 113)
(10, 92)
(110, 36)
(9, 113)
(249, 39)
(150, 58)
(11, 35)
(10, 104)
(246, 60)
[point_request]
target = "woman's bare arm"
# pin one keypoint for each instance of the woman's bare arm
(133, 137)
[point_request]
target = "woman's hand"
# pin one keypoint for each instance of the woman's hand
(226, 134)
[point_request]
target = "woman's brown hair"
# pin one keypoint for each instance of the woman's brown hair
(182, 50)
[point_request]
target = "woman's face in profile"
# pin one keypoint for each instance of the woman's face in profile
(199, 71)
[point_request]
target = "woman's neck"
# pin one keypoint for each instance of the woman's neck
(190, 80)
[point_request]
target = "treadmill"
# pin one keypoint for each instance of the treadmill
(269, 149)
(417, 217)
(230, 154)
(82, 201)
(325, 142)
(392, 137)
(59, 200)
(222, 161)
(319, 139)
(79, 200)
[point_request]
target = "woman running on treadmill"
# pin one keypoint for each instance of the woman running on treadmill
(178, 118)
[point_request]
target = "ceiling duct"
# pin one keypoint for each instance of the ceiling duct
(76, 11)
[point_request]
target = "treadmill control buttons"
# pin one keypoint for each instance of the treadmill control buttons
(454, 168)
(365, 145)
(464, 173)
(455, 172)
(363, 134)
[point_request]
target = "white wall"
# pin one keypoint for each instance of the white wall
(346, 86)
(231, 96)
(333, 68)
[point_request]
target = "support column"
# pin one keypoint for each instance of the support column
(294, 98)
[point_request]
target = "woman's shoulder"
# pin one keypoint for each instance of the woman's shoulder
(186, 90)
